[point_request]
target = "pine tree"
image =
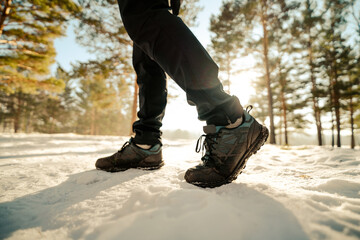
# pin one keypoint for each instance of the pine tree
(334, 51)
(263, 14)
(353, 84)
(264, 18)
(96, 93)
(57, 112)
(226, 40)
(28, 29)
(352, 95)
(287, 89)
(307, 31)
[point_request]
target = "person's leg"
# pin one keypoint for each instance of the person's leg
(152, 98)
(232, 135)
(169, 42)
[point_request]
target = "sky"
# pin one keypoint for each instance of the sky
(68, 51)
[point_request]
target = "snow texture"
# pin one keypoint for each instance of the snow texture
(49, 189)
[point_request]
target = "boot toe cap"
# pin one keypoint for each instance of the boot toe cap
(103, 163)
(204, 177)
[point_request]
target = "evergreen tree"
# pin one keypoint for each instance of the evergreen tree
(334, 51)
(352, 96)
(226, 40)
(94, 93)
(98, 99)
(353, 85)
(307, 30)
(56, 112)
(28, 29)
(287, 89)
(264, 14)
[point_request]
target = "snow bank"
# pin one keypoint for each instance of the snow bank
(49, 189)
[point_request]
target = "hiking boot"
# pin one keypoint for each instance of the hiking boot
(227, 151)
(132, 156)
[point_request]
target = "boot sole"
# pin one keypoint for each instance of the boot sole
(122, 169)
(256, 145)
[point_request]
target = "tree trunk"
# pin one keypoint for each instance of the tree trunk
(338, 127)
(332, 129)
(16, 123)
(135, 104)
(27, 122)
(96, 124)
(317, 113)
(335, 88)
(4, 125)
(352, 123)
(336, 97)
(92, 125)
(282, 82)
(17, 108)
(268, 82)
(280, 132)
(51, 130)
(4, 14)
(283, 103)
(51, 121)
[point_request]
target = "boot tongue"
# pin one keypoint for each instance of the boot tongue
(212, 129)
(209, 129)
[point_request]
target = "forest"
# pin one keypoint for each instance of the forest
(307, 56)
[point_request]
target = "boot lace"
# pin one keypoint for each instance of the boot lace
(206, 142)
(249, 108)
(127, 143)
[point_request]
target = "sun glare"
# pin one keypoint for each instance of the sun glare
(179, 115)
(242, 82)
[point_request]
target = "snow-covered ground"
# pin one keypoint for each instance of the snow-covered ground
(49, 189)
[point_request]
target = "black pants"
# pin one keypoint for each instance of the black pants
(162, 42)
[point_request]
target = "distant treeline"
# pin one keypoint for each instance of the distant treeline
(307, 55)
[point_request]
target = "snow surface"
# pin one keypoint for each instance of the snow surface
(49, 189)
